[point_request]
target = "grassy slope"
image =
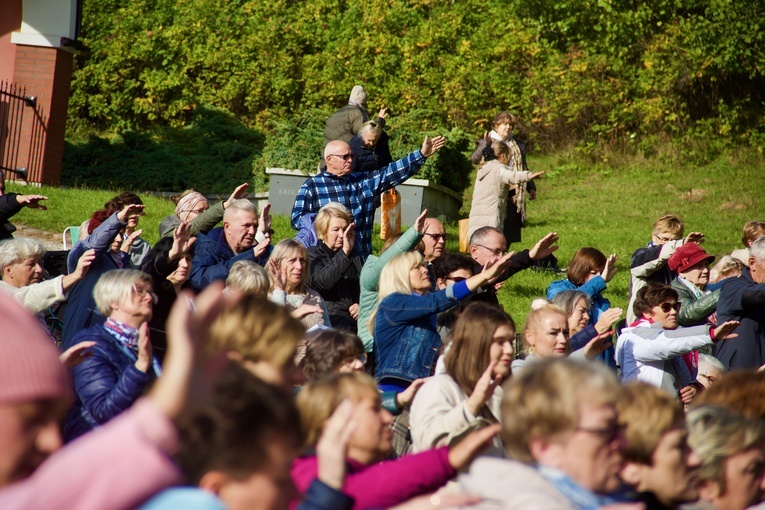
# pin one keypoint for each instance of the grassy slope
(610, 209)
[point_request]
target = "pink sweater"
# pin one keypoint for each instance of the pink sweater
(117, 466)
(386, 483)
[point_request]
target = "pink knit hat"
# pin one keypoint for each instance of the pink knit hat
(29, 364)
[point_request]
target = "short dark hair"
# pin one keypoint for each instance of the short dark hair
(448, 263)
(502, 118)
(232, 431)
(327, 350)
(161, 251)
(652, 295)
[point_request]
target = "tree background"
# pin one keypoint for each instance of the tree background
(254, 81)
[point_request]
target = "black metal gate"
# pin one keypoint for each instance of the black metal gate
(20, 118)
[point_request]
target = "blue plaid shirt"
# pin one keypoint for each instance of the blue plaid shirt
(357, 192)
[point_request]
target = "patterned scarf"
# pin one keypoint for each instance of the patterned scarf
(127, 340)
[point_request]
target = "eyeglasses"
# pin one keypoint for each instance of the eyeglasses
(498, 251)
(142, 293)
(666, 307)
(438, 237)
(608, 434)
(198, 211)
(664, 239)
(344, 157)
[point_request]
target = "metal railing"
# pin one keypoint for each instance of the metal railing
(20, 118)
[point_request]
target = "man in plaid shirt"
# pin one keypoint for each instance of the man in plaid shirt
(356, 191)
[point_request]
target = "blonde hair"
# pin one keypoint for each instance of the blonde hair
(545, 399)
(647, 413)
(282, 250)
(670, 224)
(394, 278)
(113, 286)
(257, 330)
(325, 215)
(715, 434)
(248, 277)
(318, 400)
(727, 266)
(534, 320)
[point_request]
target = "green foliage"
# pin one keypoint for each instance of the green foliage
(214, 154)
(587, 73)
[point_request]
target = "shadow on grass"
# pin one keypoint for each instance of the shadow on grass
(213, 154)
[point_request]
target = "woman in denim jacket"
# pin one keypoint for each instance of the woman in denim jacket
(407, 342)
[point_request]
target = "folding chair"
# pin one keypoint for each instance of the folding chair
(70, 235)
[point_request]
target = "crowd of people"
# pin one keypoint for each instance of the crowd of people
(220, 368)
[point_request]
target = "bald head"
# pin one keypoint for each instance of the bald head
(336, 156)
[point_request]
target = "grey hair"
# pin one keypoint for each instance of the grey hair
(248, 277)
(19, 249)
(370, 125)
(241, 204)
(481, 235)
(568, 300)
(707, 362)
(725, 267)
(757, 249)
(113, 286)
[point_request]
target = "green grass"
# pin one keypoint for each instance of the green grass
(610, 208)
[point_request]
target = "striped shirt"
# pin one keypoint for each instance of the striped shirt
(357, 192)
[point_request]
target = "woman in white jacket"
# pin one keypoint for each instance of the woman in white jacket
(468, 395)
(493, 181)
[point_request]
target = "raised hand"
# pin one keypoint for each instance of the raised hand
(534, 176)
(349, 238)
(144, 348)
(420, 225)
(383, 113)
(181, 241)
(597, 345)
(130, 211)
(278, 276)
(305, 310)
(406, 397)
(695, 237)
(76, 354)
(260, 248)
(129, 240)
(609, 270)
(238, 193)
(607, 319)
(484, 389)
(493, 271)
(264, 225)
(31, 201)
(430, 146)
(83, 264)
(724, 331)
(544, 246)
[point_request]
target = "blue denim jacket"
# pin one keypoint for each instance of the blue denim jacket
(406, 338)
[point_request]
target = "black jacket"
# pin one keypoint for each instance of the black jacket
(741, 299)
(335, 276)
(8, 207)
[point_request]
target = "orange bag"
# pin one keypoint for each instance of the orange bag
(390, 214)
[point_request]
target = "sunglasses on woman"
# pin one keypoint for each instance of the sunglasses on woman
(666, 307)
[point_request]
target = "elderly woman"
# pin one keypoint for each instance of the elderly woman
(288, 269)
(691, 263)
(120, 366)
(655, 351)
(469, 394)
(370, 441)
(248, 277)
(370, 148)
(732, 471)
(193, 207)
(336, 264)
(20, 262)
(169, 265)
(111, 248)
(502, 131)
(493, 181)
(576, 304)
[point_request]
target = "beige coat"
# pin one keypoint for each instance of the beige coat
(489, 206)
